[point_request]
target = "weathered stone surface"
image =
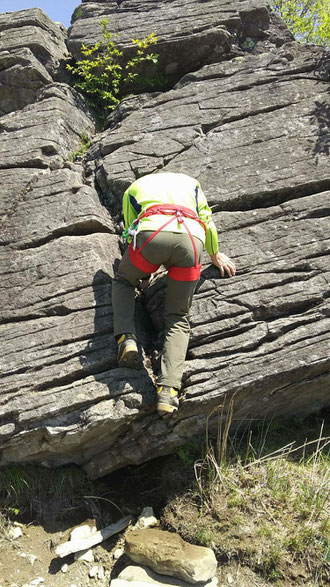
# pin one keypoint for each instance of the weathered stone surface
(143, 575)
(34, 29)
(21, 76)
(253, 130)
(57, 322)
(168, 554)
(46, 133)
(57, 204)
(32, 54)
(190, 34)
(267, 112)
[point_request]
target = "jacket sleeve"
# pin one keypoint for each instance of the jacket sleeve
(205, 214)
(129, 212)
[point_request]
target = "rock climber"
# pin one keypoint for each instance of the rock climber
(167, 222)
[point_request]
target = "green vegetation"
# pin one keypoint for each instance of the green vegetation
(261, 507)
(259, 499)
(308, 20)
(27, 492)
(106, 77)
(84, 145)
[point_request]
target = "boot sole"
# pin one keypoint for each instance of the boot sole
(166, 409)
(130, 359)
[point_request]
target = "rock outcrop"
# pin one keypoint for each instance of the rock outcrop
(33, 53)
(190, 34)
(248, 117)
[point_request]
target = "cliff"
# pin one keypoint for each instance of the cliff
(246, 111)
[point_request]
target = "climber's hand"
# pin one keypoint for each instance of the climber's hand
(223, 263)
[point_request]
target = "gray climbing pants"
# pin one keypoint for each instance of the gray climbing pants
(168, 249)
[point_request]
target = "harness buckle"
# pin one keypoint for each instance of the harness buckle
(179, 216)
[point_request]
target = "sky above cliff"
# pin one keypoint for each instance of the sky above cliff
(58, 10)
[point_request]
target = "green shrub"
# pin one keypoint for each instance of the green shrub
(104, 75)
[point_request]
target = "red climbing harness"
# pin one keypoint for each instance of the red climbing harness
(178, 213)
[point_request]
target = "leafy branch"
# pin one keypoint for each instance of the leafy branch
(105, 76)
(308, 20)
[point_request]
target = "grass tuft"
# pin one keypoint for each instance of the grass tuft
(261, 506)
(32, 493)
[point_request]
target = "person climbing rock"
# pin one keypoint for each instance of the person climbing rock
(167, 222)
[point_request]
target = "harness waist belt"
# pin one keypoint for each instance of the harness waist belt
(175, 212)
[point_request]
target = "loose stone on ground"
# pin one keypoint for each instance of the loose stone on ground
(138, 574)
(168, 554)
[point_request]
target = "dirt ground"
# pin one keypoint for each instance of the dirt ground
(17, 568)
(47, 513)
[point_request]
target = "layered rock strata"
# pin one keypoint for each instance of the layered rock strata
(190, 34)
(33, 53)
(253, 130)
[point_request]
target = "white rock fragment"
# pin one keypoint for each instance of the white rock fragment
(94, 571)
(95, 538)
(30, 557)
(15, 532)
(84, 555)
(118, 553)
(64, 568)
(146, 519)
(100, 574)
(81, 532)
(37, 581)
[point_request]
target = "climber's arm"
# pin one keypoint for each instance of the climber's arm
(218, 259)
(129, 211)
(205, 214)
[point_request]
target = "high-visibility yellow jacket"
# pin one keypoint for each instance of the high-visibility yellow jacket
(170, 188)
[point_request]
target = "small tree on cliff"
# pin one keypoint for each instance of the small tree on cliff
(308, 20)
(104, 75)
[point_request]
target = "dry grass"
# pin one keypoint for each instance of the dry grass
(261, 507)
(268, 510)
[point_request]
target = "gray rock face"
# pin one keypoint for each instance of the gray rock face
(190, 34)
(32, 54)
(44, 134)
(253, 130)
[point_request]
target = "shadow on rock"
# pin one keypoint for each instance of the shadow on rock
(99, 358)
(321, 112)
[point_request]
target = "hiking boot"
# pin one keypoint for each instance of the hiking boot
(128, 353)
(167, 400)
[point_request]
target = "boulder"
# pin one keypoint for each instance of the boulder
(33, 53)
(167, 553)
